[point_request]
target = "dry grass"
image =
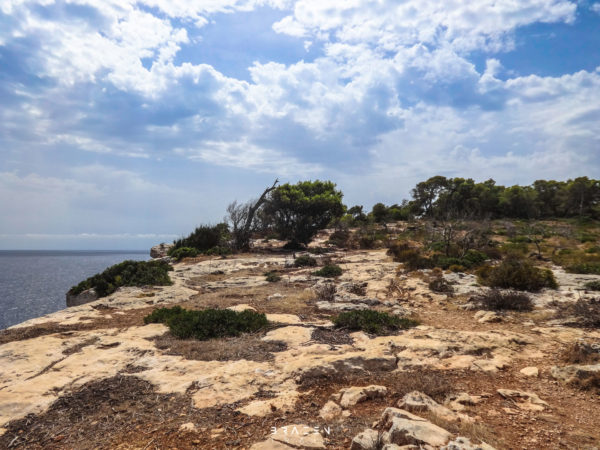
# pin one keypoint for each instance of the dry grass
(247, 346)
(582, 353)
(476, 432)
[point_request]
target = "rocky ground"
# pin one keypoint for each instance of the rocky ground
(94, 376)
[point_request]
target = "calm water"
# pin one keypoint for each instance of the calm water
(34, 283)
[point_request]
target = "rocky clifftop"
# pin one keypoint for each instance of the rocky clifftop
(94, 376)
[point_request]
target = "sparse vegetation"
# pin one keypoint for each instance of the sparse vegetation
(208, 323)
(438, 283)
(305, 261)
(593, 285)
(581, 352)
(127, 273)
(585, 312)
(329, 271)
(272, 277)
(516, 272)
(326, 292)
(359, 289)
(373, 322)
(497, 300)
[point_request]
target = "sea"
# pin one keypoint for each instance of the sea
(34, 283)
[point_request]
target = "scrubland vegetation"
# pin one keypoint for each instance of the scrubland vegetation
(127, 273)
(373, 322)
(208, 323)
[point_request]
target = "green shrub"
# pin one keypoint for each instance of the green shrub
(339, 238)
(593, 285)
(410, 257)
(329, 271)
(205, 238)
(439, 284)
(593, 250)
(495, 300)
(305, 261)
(127, 273)
(161, 315)
(514, 247)
(592, 267)
(272, 277)
(373, 322)
(183, 252)
(518, 273)
(208, 323)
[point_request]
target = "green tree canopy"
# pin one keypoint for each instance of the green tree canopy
(297, 212)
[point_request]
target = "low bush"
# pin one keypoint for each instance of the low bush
(359, 289)
(161, 315)
(497, 300)
(208, 323)
(127, 273)
(593, 285)
(329, 271)
(305, 261)
(205, 238)
(581, 352)
(339, 238)
(183, 252)
(578, 261)
(410, 257)
(440, 285)
(326, 292)
(515, 272)
(373, 322)
(272, 277)
(590, 268)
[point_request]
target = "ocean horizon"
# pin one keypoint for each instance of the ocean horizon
(35, 282)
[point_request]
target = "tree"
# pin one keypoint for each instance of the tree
(297, 212)
(379, 212)
(242, 215)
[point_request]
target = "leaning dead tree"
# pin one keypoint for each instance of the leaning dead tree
(241, 217)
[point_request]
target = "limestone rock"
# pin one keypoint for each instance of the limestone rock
(575, 373)
(417, 401)
(488, 317)
(530, 371)
(406, 428)
(82, 298)
(524, 400)
(458, 402)
(353, 395)
(463, 443)
(299, 436)
(366, 440)
(187, 427)
(270, 444)
(330, 411)
(160, 250)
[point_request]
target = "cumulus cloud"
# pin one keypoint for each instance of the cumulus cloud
(391, 94)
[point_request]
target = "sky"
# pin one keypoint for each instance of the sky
(128, 123)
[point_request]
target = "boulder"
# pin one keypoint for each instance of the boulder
(457, 402)
(530, 372)
(330, 411)
(524, 400)
(82, 298)
(366, 440)
(406, 428)
(418, 402)
(351, 396)
(463, 443)
(160, 250)
(299, 436)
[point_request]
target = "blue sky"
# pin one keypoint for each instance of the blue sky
(127, 123)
